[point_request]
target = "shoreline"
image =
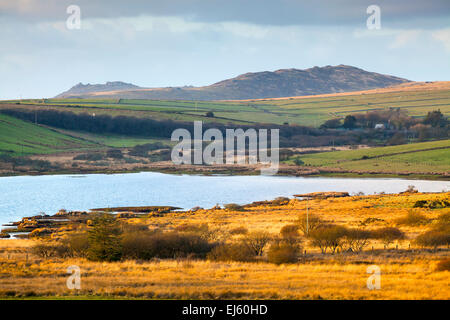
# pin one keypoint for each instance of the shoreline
(288, 171)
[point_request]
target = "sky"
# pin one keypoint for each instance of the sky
(160, 43)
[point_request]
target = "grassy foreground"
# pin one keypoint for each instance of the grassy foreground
(407, 270)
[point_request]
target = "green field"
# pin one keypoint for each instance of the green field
(302, 111)
(19, 137)
(114, 141)
(431, 156)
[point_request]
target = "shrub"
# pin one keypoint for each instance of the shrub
(45, 250)
(256, 241)
(231, 252)
(114, 154)
(90, 156)
(443, 265)
(308, 224)
(233, 207)
(431, 204)
(142, 150)
(134, 227)
(209, 114)
(413, 219)
(289, 234)
(280, 201)
(238, 230)
(77, 244)
(201, 230)
(328, 237)
(289, 230)
(145, 245)
(443, 223)
(281, 252)
(411, 189)
(433, 239)
(104, 239)
(192, 228)
(388, 235)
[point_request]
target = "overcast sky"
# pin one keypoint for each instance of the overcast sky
(158, 43)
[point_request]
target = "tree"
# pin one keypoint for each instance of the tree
(329, 236)
(104, 239)
(256, 241)
(308, 223)
(349, 122)
(435, 119)
(357, 239)
(209, 114)
(331, 124)
(389, 235)
(289, 234)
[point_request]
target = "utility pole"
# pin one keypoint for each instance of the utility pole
(307, 217)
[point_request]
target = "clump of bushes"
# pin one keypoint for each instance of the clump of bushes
(442, 223)
(39, 165)
(388, 235)
(141, 150)
(234, 207)
(289, 231)
(433, 239)
(49, 250)
(432, 204)
(283, 252)
(90, 156)
(238, 230)
(201, 230)
(280, 201)
(114, 154)
(371, 220)
(77, 244)
(413, 219)
(232, 252)
(443, 265)
(162, 245)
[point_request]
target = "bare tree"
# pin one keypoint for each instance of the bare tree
(256, 241)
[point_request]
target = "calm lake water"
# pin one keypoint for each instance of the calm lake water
(29, 195)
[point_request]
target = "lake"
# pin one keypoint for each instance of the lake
(30, 195)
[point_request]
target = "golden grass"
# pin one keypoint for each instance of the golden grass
(406, 273)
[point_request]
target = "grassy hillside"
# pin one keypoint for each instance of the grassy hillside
(418, 157)
(310, 111)
(18, 137)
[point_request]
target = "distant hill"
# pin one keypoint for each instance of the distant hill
(82, 89)
(259, 85)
